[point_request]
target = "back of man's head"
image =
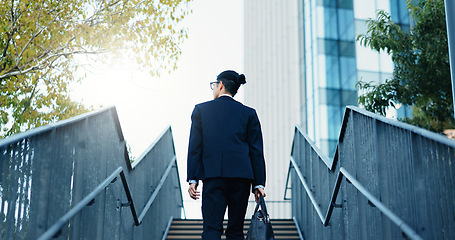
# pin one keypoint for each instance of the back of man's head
(231, 80)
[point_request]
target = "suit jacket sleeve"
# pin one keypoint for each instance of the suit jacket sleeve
(194, 160)
(254, 138)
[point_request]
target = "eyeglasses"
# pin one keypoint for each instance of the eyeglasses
(212, 84)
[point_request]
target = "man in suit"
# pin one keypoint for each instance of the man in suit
(226, 152)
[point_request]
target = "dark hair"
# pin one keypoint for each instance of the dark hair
(231, 80)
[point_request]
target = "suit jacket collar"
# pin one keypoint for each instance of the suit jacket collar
(226, 98)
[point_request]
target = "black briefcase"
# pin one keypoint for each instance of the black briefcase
(260, 227)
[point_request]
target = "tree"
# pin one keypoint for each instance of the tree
(39, 40)
(421, 76)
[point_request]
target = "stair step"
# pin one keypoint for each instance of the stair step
(192, 229)
(198, 232)
(224, 237)
(196, 227)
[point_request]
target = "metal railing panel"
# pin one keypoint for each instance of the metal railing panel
(59, 152)
(47, 171)
(407, 172)
(156, 159)
(41, 147)
(46, 128)
(88, 200)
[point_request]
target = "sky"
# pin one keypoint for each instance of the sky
(147, 106)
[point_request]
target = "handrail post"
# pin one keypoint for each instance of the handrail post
(287, 181)
(333, 199)
(130, 199)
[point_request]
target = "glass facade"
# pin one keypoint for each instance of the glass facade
(334, 61)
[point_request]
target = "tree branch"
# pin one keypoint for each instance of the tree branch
(5, 50)
(31, 97)
(41, 65)
(36, 33)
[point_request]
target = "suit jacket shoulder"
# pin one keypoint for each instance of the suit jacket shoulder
(227, 101)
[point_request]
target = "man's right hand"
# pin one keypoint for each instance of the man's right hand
(194, 194)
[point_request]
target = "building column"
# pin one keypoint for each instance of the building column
(450, 21)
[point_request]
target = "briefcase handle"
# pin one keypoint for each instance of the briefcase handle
(261, 202)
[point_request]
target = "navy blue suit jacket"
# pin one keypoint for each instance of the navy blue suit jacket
(225, 141)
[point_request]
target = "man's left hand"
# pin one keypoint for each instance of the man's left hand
(258, 192)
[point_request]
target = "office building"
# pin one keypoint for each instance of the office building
(272, 72)
(302, 63)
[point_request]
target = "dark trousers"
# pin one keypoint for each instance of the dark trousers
(217, 193)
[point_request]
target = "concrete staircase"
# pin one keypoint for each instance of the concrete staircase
(192, 229)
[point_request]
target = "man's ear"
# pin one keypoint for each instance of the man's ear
(222, 86)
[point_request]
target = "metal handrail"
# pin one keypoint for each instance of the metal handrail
(298, 228)
(307, 188)
(129, 198)
(408, 231)
(343, 172)
(54, 230)
(180, 187)
(168, 227)
(157, 189)
(144, 154)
